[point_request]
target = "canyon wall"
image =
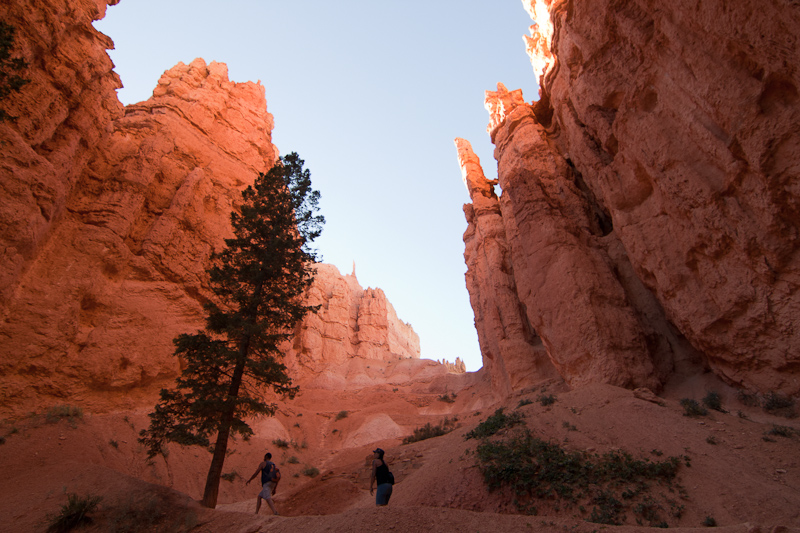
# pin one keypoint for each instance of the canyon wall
(110, 215)
(649, 212)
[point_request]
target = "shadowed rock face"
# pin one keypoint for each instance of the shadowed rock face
(650, 200)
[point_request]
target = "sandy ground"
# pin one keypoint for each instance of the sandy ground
(744, 482)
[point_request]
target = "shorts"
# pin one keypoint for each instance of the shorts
(383, 494)
(266, 490)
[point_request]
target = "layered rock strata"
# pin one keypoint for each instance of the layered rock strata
(657, 178)
(351, 322)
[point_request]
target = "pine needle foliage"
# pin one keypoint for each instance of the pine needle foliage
(259, 280)
(10, 80)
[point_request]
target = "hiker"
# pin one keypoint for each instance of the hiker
(385, 479)
(270, 476)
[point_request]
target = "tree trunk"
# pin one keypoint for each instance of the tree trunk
(215, 470)
(221, 447)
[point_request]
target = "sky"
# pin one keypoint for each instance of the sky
(371, 94)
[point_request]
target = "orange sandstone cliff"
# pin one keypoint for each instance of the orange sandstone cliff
(648, 221)
(110, 216)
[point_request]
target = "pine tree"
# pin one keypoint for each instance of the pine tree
(9, 80)
(259, 280)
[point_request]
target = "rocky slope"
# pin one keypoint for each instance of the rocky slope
(648, 224)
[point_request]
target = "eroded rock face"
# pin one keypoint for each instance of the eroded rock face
(351, 322)
(112, 219)
(122, 270)
(63, 112)
(657, 176)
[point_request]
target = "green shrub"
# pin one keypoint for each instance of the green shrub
(779, 404)
(73, 514)
(692, 408)
(523, 402)
(713, 401)
(493, 424)
(342, 414)
(748, 399)
(230, 476)
(781, 431)
(569, 427)
(293, 460)
(536, 469)
(70, 413)
(449, 398)
(310, 471)
(546, 400)
(114, 443)
(280, 443)
(710, 522)
(711, 439)
(428, 431)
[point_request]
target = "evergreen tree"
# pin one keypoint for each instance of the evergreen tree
(9, 80)
(259, 280)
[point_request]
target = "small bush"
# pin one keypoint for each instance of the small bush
(781, 431)
(449, 398)
(310, 471)
(71, 413)
(493, 424)
(713, 401)
(342, 414)
(280, 443)
(536, 469)
(230, 476)
(523, 402)
(546, 400)
(779, 404)
(748, 399)
(2, 440)
(73, 514)
(114, 443)
(711, 439)
(692, 408)
(293, 460)
(710, 522)
(569, 427)
(428, 431)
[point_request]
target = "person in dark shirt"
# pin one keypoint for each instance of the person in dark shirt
(269, 482)
(380, 473)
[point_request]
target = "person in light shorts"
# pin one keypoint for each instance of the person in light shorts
(270, 476)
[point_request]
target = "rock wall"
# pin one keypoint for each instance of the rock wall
(110, 214)
(650, 198)
(352, 322)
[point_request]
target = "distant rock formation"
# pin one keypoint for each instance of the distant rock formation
(351, 322)
(649, 207)
(459, 367)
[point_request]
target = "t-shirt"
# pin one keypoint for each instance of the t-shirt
(267, 472)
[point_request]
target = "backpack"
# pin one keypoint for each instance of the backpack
(390, 477)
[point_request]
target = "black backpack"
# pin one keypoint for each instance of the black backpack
(390, 477)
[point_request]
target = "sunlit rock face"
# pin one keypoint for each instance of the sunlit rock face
(657, 174)
(351, 322)
(61, 115)
(122, 270)
(113, 214)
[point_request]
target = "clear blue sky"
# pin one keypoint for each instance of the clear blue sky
(371, 94)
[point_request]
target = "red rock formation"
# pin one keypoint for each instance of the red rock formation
(114, 214)
(62, 114)
(352, 322)
(655, 179)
